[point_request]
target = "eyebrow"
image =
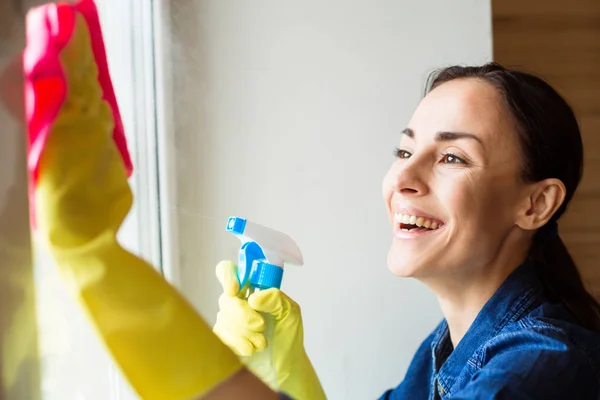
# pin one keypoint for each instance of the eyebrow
(444, 136)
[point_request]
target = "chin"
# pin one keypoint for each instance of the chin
(401, 265)
(401, 271)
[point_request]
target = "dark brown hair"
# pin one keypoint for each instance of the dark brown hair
(552, 147)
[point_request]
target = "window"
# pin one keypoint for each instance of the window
(74, 362)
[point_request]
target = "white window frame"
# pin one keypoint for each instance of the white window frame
(142, 27)
(165, 136)
(128, 28)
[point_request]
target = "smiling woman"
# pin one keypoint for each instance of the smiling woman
(487, 165)
(495, 156)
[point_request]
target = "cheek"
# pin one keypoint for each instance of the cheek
(479, 203)
(459, 196)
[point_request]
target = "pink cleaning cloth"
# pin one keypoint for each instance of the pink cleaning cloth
(49, 29)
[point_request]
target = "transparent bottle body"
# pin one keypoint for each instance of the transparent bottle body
(261, 363)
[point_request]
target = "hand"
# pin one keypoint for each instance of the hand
(241, 326)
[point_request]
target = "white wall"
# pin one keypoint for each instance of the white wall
(287, 113)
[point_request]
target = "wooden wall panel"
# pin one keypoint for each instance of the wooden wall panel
(560, 40)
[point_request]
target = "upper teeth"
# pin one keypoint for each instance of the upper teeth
(415, 220)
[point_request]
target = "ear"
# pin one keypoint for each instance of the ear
(543, 199)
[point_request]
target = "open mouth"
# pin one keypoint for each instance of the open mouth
(415, 223)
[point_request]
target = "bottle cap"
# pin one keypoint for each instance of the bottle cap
(265, 275)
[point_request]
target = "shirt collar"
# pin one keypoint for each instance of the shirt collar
(519, 293)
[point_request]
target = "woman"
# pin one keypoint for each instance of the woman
(487, 165)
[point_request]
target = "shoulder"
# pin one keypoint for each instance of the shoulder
(536, 357)
(544, 336)
(541, 351)
(549, 331)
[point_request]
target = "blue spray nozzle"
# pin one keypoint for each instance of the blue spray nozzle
(263, 253)
(236, 225)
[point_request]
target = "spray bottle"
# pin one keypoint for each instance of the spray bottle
(261, 258)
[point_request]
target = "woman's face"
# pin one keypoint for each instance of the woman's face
(453, 193)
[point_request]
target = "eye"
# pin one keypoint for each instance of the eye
(399, 153)
(450, 158)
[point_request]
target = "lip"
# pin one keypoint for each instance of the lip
(400, 234)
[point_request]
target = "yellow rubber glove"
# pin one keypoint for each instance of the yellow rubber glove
(165, 350)
(240, 325)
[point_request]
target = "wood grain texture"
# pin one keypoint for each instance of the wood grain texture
(560, 41)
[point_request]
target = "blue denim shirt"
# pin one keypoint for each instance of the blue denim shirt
(520, 346)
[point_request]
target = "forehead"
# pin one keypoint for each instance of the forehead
(464, 105)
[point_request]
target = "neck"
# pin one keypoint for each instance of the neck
(463, 296)
(461, 307)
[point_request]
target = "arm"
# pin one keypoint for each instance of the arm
(242, 385)
(241, 326)
(81, 197)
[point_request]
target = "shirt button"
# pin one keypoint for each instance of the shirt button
(441, 389)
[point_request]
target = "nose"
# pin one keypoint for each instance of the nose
(408, 178)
